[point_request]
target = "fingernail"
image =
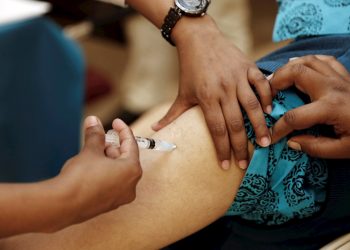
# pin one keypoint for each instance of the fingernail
(268, 109)
(91, 121)
(225, 164)
(293, 58)
(294, 145)
(265, 141)
(269, 77)
(243, 164)
(154, 125)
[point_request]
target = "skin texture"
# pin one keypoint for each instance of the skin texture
(174, 188)
(218, 77)
(327, 82)
(180, 192)
(89, 184)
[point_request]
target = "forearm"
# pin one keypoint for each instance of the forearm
(187, 27)
(180, 192)
(34, 207)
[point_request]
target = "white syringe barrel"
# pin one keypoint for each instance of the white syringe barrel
(112, 138)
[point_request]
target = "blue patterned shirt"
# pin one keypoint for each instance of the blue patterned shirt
(280, 184)
(298, 18)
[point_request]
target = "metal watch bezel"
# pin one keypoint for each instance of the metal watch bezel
(194, 10)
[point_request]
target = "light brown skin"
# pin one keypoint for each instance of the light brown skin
(183, 191)
(327, 82)
(217, 76)
(179, 193)
(89, 184)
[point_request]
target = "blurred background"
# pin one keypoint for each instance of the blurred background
(118, 65)
(130, 68)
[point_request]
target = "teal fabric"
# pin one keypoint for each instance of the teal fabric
(41, 100)
(299, 18)
(280, 184)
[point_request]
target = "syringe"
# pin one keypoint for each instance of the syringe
(146, 143)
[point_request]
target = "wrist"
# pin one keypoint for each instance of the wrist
(64, 198)
(189, 29)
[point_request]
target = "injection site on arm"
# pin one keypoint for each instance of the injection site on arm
(144, 143)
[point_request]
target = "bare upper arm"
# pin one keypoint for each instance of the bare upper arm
(180, 192)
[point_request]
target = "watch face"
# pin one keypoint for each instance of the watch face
(194, 7)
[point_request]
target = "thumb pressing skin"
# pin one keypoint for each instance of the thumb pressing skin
(174, 112)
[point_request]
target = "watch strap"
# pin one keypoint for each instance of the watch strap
(170, 20)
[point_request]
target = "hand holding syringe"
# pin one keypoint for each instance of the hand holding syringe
(146, 143)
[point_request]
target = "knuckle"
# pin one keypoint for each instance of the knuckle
(252, 103)
(261, 81)
(93, 131)
(299, 69)
(334, 102)
(204, 93)
(290, 117)
(259, 76)
(312, 149)
(236, 125)
(218, 129)
(256, 74)
(339, 88)
(225, 85)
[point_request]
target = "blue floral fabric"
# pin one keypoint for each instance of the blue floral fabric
(280, 183)
(298, 18)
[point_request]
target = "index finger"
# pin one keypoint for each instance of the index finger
(299, 118)
(316, 64)
(335, 64)
(302, 77)
(128, 145)
(217, 128)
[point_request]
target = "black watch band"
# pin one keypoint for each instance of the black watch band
(170, 20)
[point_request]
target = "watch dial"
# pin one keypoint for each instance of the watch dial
(192, 6)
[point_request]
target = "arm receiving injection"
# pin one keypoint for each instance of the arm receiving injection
(43, 206)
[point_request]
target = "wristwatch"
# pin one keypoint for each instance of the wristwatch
(193, 8)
